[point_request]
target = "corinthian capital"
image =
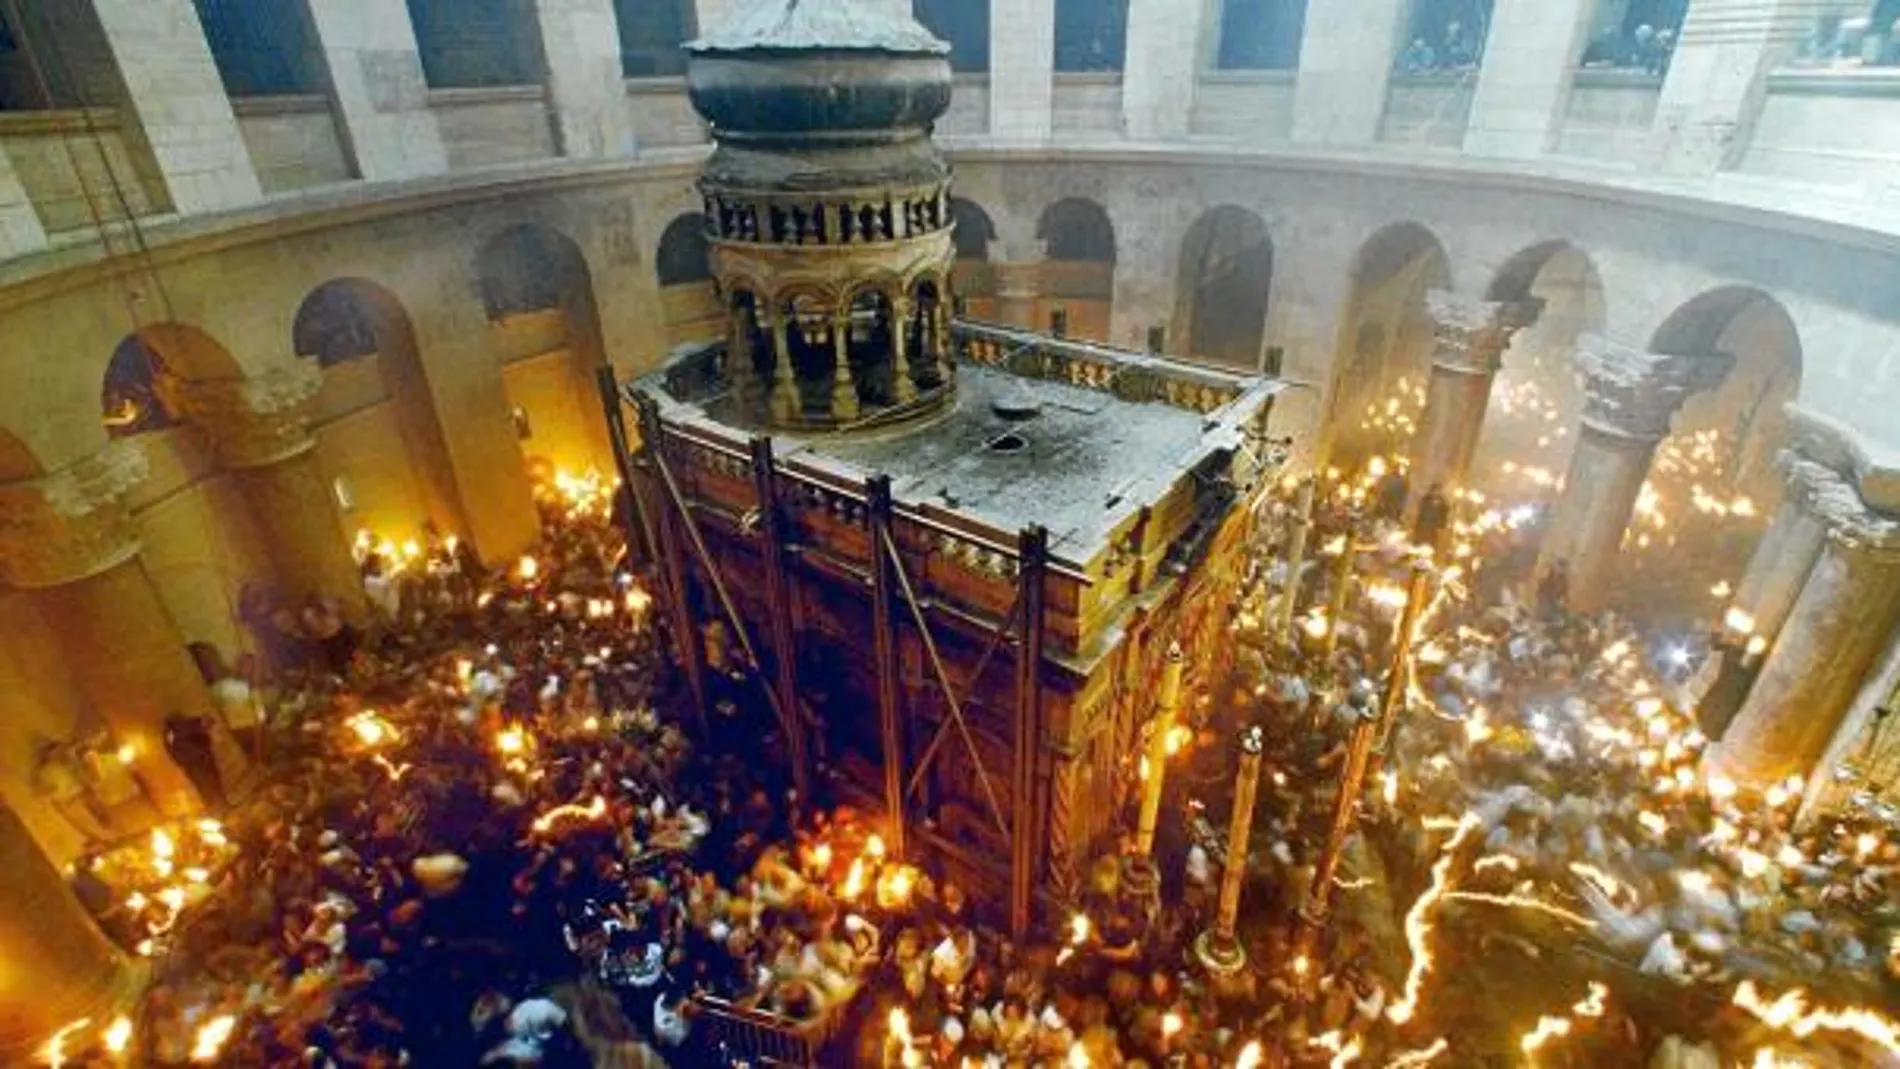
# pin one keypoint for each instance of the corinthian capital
(1470, 334)
(1633, 393)
(73, 523)
(1831, 497)
(251, 422)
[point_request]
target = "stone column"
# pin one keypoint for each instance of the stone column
(70, 539)
(587, 92)
(377, 88)
(1629, 397)
(173, 91)
(844, 390)
(1718, 79)
(59, 967)
(257, 432)
(1159, 77)
(903, 388)
(1022, 69)
(1524, 84)
(1788, 550)
(786, 401)
(1470, 337)
(1835, 632)
(1346, 58)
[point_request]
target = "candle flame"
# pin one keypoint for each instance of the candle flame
(211, 1037)
(1418, 924)
(593, 810)
(118, 1035)
(1789, 1013)
(53, 1051)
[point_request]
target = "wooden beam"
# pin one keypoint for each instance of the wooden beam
(1027, 745)
(877, 496)
(673, 563)
(637, 528)
(778, 599)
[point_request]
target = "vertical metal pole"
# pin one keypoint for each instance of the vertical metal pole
(877, 496)
(1033, 551)
(1342, 584)
(1319, 900)
(1395, 679)
(1295, 559)
(1219, 948)
(685, 628)
(639, 541)
(1166, 704)
(778, 596)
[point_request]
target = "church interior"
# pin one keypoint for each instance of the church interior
(950, 533)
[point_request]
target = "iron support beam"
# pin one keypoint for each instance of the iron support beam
(1027, 746)
(778, 598)
(885, 651)
(673, 565)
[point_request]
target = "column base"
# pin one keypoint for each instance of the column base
(1224, 961)
(1141, 884)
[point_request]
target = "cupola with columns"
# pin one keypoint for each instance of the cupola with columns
(828, 210)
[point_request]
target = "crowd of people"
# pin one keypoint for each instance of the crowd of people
(483, 837)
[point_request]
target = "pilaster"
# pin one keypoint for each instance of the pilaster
(587, 92)
(1718, 78)
(1022, 69)
(1346, 58)
(1159, 75)
(173, 90)
(1530, 54)
(378, 89)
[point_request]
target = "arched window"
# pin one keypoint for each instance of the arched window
(682, 259)
(974, 230)
(333, 327)
(651, 33)
(522, 271)
(471, 44)
(963, 23)
(1260, 35)
(1091, 35)
(1077, 229)
(129, 402)
(261, 47)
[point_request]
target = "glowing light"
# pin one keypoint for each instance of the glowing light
(1478, 726)
(511, 741)
(1389, 787)
(1250, 1056)
(1344, 1051)
(527, 569)
(1721, 788)
(1518, 901)
(53, 1051)
(1548, 1028)
(211, 1037)
(1738, 621)
(1653, 823)
(1414, 1059)
(1496, 861)
(371, 729)
(1170, 1025)
(1602, 881)
(1418, 925)
(1078, 1056)
(1790, 1014)
(593, 810)
(1315, 625)
(1865, 844)
(118, 1035)
(899, 1023)
(1593, 1003)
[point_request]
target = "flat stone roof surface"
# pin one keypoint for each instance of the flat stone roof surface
(1087, 459)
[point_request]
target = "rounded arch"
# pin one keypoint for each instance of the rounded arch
(130, 402)
(1714, 476)
(379, 436)
(973, 229)
(1223, 286)
(1745, 414)
(17, 459)
(132, 399)
(1077, 229)
(682, 258)
(1385, 340)
(333, 326)
(1536, 399)
(530, 267)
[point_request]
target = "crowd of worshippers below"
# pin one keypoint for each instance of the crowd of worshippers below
(484, 838)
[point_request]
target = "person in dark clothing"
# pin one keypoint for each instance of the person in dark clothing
(1434, 515)
(1553, 590)
(188, 741)
(1388, 495)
